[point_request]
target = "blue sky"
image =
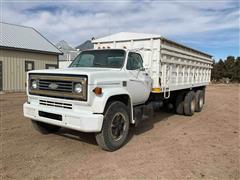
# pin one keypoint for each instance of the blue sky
(208, 25)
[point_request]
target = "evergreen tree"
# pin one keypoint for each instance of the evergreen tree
(229, 68)
(214, 71)
(236, 70)
(221, 70)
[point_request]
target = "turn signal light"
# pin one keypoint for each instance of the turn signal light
(97, 90)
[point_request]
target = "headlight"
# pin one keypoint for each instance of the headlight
(78, 88)
(34, 84)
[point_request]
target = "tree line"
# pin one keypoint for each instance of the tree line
(226, 69)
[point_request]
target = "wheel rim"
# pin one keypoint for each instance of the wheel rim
(193, 105)
(118, 126)
(201, 102)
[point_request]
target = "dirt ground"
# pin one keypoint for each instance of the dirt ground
(168, 146)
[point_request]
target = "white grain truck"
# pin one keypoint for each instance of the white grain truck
(117, 84)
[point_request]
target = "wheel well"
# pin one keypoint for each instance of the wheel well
(199, 88)
(124, 98)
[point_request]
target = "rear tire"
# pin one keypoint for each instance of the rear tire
(179, 104)
(199, 100)
(44, 128)
(189, 103)
(115, 127)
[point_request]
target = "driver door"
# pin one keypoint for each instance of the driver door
(140, 83)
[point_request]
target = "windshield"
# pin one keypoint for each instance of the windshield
(100, 58)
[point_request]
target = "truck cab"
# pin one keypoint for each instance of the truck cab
(96, 93)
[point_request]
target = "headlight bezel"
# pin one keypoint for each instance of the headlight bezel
(31, 84)
(83, 94)
(77, 88)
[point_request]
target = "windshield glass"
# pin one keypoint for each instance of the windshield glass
(100, 58)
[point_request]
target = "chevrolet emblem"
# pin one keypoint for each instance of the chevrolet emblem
(53, 86)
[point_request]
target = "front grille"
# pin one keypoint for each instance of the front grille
(55, 104)
(64, 86)
(58, 86)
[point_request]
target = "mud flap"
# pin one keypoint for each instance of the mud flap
(142, 113)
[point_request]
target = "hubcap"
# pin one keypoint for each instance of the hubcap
(201, 102)
(118, 126)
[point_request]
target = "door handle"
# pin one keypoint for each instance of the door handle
(135, 80)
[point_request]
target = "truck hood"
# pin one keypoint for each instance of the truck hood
(95, 75)
(76, 70)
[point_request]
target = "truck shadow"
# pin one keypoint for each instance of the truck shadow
(88, 138)
(148, 124)
(144, 126)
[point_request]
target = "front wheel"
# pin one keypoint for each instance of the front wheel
(115, 127)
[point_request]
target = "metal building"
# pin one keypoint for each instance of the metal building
(23, 49)
(69, 54)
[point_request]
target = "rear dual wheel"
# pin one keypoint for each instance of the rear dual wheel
(199, 100)
(189, 103)
(179, 103)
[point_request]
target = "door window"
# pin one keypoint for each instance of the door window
(134, 61)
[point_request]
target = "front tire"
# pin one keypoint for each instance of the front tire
(44, 128)
(115, 127)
